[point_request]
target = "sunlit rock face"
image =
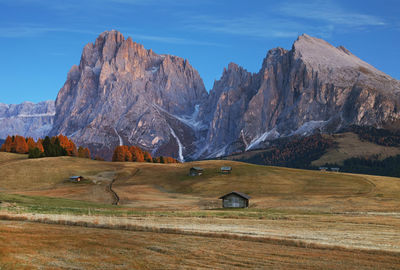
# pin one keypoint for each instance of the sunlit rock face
(312, 87)
(26, 119)
(122, 93)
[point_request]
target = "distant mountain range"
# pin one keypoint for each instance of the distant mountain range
(121, 93)
(27, 119)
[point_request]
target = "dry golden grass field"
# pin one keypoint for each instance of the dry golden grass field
(350, 145)
(167, 219)
(43, 246)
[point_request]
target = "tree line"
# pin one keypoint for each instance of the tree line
(294, 152)
(136, 154)
(48, 147)
(379, 136)
(387, 167)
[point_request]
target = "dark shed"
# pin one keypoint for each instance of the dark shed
(195, 171)
(235, 199)
(76, 178)
(226, 170)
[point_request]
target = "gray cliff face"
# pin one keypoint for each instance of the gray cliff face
(26, 119)
(314, 86)
(122, 93)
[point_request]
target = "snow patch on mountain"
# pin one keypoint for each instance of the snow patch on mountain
(180, 146)
(271, 134)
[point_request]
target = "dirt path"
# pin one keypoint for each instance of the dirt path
(114, 194)
(116, 198)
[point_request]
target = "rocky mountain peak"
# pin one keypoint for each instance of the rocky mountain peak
(122, 93)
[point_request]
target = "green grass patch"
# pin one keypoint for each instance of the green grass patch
(48, 205)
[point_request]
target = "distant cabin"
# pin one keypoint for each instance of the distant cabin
(196, 171)
(235, 199)
(323, 169)
(226, 170)
(335, 169)
(76, 178)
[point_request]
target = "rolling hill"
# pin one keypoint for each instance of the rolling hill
(168, 186)
(346, 219)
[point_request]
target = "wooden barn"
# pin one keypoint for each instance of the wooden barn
(196, 171)
(226, 170)
(76, 178)
(235, 199)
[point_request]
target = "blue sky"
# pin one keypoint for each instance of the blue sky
(41, 39)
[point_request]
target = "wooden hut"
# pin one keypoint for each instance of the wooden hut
(323, 169)
(226, 170)
(235, 199)
(196, 171)
(76, 178)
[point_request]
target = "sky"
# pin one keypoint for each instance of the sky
(40, 40)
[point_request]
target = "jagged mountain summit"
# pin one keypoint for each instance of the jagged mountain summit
(313, 86)
(122, 93)
(26, 119)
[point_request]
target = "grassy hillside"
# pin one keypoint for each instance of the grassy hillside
(168, 186)
(293, 214)
(332, 151)
(349, 145)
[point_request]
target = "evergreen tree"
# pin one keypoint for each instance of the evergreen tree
(35, 153)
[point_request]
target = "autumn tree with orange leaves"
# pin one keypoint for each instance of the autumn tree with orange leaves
(21, 145)
(135, 154)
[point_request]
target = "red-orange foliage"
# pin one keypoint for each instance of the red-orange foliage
(39, 145)
(67, 144)
(86, 153)
(170, 160)
(83, 152)
(18, 144)
(147, 157)
(21, 146)
(7, 146)
(121, 154)
(31, 143)
(135, 154)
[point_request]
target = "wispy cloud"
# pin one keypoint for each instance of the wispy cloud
(330, 13)
(287, 20)
(95, 4)
(244, 26)
(173, 40)
(34, 31)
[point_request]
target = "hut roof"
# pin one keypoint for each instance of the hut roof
(226, 168)
(76, 177)
(196, 168)
(237, 193)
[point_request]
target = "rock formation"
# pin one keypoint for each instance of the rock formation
(314, 86)
(122, 93)
(26, 119)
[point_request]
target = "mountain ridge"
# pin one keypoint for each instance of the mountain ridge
(122, 93)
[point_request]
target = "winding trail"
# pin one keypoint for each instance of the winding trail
(116, 198)
(114, 194)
